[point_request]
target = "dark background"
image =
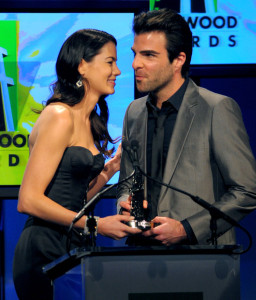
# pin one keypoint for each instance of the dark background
(236, 81)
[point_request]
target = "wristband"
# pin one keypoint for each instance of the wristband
(85, 227)
(91, 224)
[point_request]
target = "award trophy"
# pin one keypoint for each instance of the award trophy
(137, 190)
(137, 210)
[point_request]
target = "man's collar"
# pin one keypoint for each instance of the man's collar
(175, 100)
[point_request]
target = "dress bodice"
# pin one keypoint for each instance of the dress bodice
(76, 169)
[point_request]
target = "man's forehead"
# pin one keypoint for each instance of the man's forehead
(151, 35)
(150, 40)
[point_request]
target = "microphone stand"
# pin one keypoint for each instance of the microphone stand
(214, 212)
(88, 210)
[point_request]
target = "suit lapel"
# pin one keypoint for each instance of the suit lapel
(140, 114)
(139, 132)
(181, 130)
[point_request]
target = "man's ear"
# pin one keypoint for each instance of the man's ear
(82, 67)
(180, 60)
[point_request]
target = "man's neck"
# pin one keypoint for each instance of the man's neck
(164, 94)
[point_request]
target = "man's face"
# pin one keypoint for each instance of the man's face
(153, 70)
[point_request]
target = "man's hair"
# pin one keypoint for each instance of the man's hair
(176, 29)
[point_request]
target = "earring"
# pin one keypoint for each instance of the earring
(79, 83)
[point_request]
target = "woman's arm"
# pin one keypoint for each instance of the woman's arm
(52, 134)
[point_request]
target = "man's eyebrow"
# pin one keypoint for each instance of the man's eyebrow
(147, 51)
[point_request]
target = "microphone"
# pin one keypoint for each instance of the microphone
(127, 147)
(131, 149)
(89, 206)
(94, 200)
(135, 146)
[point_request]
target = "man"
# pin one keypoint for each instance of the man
(204, 145)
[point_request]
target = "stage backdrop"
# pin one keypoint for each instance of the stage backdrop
(29, 46)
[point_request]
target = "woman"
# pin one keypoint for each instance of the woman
(67, 148)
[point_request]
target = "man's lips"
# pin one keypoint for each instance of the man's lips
(139, 77)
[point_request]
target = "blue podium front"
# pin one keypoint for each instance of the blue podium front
(183, 272)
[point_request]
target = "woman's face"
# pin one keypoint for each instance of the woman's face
(101, 71)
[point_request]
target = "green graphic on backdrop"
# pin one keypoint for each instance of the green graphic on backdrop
(14, 149)
(215, 5)
(155, 4)
(8, 68)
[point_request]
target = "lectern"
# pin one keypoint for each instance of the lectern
(147, 273)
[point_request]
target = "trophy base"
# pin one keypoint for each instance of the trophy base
(142, 225)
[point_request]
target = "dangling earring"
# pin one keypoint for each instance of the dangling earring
(79, 83)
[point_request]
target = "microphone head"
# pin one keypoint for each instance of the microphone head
(126, 145)
(134, 144)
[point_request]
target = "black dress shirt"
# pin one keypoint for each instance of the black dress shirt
(174, 102)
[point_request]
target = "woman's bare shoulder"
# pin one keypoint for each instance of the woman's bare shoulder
(56, 115)
(57, 110)
(54, 118)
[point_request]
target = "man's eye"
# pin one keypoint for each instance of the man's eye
(149, 54)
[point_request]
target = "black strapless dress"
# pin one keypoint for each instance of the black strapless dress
(42, 242)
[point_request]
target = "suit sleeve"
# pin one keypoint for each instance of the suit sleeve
(237, 168)
(126, 168)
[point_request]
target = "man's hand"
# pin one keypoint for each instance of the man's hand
(127, 205)
(169, 231)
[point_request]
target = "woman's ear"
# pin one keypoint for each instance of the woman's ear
(82, 67)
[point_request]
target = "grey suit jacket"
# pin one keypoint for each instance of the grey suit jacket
(209, 156)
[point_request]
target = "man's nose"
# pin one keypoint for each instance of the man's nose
(137, 62)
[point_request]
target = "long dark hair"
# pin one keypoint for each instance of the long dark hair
(83, 44)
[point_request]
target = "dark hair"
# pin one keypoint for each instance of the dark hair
(176, 29)
(83, 44)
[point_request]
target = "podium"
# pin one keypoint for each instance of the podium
(147, 273)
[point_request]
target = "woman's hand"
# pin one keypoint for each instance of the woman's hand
(110, 168)
(115, 227)
(115, 161)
